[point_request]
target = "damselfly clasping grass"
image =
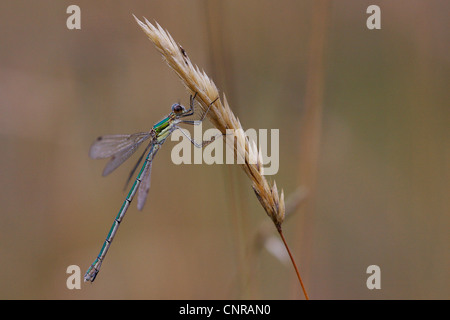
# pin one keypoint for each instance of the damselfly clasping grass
(203, 90)
(120, 147)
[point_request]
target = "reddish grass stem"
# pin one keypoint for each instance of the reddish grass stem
(293, 263)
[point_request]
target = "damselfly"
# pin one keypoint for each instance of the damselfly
(120, 147)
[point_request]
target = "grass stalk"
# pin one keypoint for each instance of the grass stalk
(293, 263)
(221, 116)
(311, 125)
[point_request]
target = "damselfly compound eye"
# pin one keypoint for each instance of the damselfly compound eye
(177, 108)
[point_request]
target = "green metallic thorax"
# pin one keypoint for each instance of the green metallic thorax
(164, 123)
(163, 128)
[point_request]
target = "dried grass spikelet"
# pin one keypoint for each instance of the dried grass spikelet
(221, 117)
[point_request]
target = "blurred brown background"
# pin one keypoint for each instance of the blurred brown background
(364, 126)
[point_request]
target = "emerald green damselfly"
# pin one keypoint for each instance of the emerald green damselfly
(120, 147)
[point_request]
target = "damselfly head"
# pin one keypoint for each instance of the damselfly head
(178, 109)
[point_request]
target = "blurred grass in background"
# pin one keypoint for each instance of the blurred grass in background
(381, 185)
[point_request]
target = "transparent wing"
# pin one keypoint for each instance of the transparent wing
(144, 187)
(137, 164)
(145, 182)
(108, 145)
(118, 147)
